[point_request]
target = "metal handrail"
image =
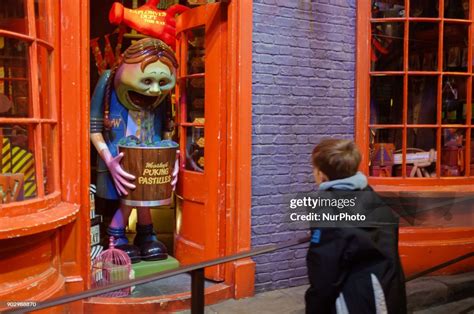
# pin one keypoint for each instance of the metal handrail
(439, 266)
(197, 278)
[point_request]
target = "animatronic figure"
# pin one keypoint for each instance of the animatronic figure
(133, 89)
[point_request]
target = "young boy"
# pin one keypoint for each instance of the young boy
(352, 268)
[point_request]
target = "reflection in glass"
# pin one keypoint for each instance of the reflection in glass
(453, 152)
(423, 47)
(422, 93)
(48, 139)
(195, 149)
(13, 16)
(387, 46)
(196, 50)
(456, 9)
(44, 86)
(421, 152)
(383, 145)
(455, 47)
(424, 8)
(17, 165)
(386, 94)
(454, 100)
(14, 87)
(388, 8)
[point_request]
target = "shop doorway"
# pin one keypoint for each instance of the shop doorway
(193, 226)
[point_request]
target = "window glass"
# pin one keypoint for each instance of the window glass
(195, 100)
(13, 16)
(453, 142)
(386, 105)
(387, 46)
(419, 95)
(423, 46)
(14, 78)
(48, 134)
(384, 144)
(17, 171)
(454, 100)
(195, 149)
(456, 9)
(44, 85)
(424, 8)
(388, 8)
(455, 47)
(422, 104)
(27, 126)
(421, 152)
(196, 50)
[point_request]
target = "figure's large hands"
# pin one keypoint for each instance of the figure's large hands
(121, 177)
(174, 175)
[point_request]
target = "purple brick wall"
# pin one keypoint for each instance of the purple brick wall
(303, 90)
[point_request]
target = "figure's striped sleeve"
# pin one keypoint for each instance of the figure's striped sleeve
(97, 104)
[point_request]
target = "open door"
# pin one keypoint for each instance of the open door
(201, 115)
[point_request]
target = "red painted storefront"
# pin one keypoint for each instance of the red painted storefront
(45, 242)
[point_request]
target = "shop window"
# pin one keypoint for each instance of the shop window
(28, 118)
(415, 90)
(193, 103)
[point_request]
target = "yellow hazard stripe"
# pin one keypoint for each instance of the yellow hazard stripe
(6, 156)
(21, 165)
(17, 154)
(18, 160)
(30, 174)
(30, 189)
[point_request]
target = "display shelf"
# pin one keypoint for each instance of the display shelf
(145, 268)
(191, 76)
(14, 79)
(191, 124)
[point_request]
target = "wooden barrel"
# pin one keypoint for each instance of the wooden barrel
(153, 169)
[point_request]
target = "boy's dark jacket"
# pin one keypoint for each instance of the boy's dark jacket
(341, 259)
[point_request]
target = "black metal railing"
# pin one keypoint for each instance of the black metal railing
(197, 278)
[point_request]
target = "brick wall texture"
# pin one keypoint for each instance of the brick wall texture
(303, 91)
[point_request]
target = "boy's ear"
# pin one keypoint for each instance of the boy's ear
(324, 178)
(319, 176)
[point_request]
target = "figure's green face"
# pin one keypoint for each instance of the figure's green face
(143, 90)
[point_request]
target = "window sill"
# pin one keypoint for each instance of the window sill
(427, 186)
(32, 223)
(31, 206)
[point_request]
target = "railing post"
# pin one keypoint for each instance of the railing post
(197, 291)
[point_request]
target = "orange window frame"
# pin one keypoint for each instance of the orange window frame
(36, 121)
(362, 110)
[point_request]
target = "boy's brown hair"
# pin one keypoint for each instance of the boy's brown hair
(336, 158)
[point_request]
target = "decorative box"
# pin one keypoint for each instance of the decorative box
(95, 251)
(381, 171)
(95, 230)
(382, 154)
